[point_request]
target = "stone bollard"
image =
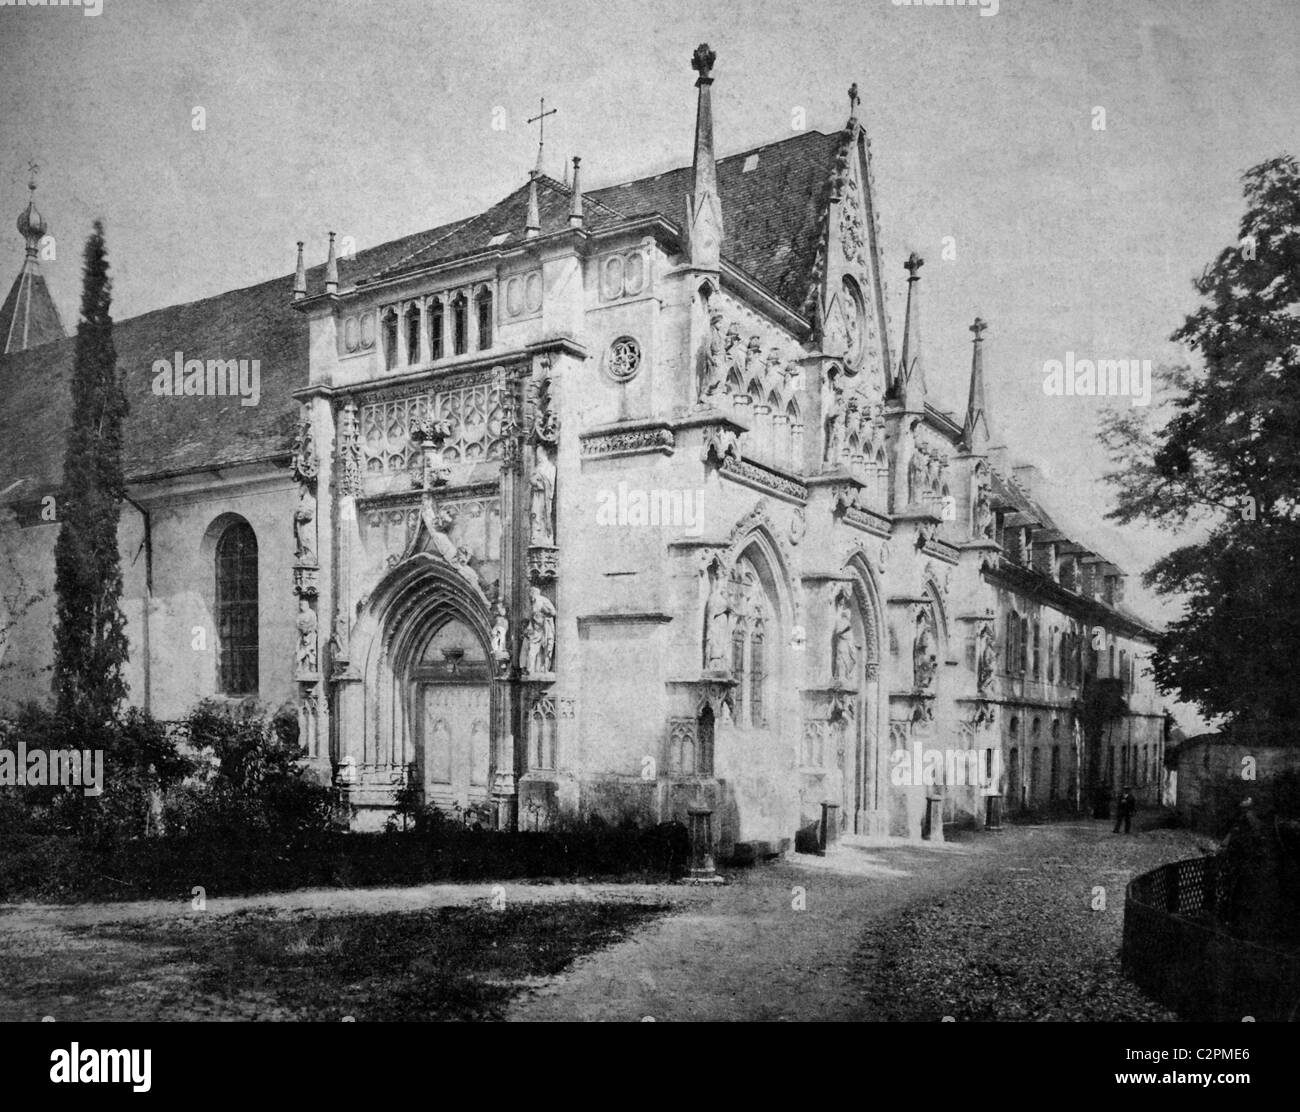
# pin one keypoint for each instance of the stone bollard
(701, 831)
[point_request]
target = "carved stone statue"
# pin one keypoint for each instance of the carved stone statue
(431, 434)
(983, 513)
(773, 375)
(434, 530)
(339, 637)
(923, 658)
(541, 513)
(832, 421)
(754, 362)
(466, 569)
(988, 658)
(304, 454)
(713, 368)
(538, 648)
(501, 633)
(306, 624)
(717, 625)
(844, 653)
(304, 526)
(932, 472)
(735, 356)
(915, 474)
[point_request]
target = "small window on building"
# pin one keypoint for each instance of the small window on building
(751, 163)
(437, 344)
(483, 306)
(413, 333)
(460, 324)
(236, 610)
(390, 338)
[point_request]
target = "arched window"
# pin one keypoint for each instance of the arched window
(460, 324)
(739, 635)
(483, 307)
(704, 731)
(1035, 784)
(1054, 784)
(753, 633)
(390, 338)
(413, 333)
(236, 610)
(1013, 631)
(437, 333)
(1024, 645)
(756, 676)
(1038, 657)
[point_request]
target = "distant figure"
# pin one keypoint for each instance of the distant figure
(1124, 811)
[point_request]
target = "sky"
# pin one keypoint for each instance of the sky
(375, 120)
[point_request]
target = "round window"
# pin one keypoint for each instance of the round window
(624, 359)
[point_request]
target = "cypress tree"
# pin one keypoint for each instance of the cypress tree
(90, 645)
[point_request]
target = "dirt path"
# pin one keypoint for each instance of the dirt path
(752, 952)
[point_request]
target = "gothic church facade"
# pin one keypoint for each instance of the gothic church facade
(624, 503)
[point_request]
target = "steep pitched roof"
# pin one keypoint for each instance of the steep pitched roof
(29, 317)
(770, 214)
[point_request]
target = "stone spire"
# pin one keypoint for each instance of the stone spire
(703, 208)
(300, 277)
(911, 372)
(976, 432)
(331, 270)
(29, 317)
(575, 209)
(533, 223)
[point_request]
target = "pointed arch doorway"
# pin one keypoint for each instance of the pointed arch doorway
(426, 703)
(451, 685)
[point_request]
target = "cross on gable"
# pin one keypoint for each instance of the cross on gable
(979, 328)
(540, 121)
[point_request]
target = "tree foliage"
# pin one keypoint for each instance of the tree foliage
(90, 644)
(1220, 463)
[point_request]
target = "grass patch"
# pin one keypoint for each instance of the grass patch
(458, 963)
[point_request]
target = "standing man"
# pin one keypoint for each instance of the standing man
(1124, 811)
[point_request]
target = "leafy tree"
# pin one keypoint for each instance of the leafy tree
(1220, 464)
(90, 633)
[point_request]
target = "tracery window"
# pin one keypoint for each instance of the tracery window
(236, 610)
(752, 626)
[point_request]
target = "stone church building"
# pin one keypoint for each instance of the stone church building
(618, 502)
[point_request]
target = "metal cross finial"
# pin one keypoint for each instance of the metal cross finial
(979, 328)
(913, 264)
(32, 169)
(540, 121)
(854, 99)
